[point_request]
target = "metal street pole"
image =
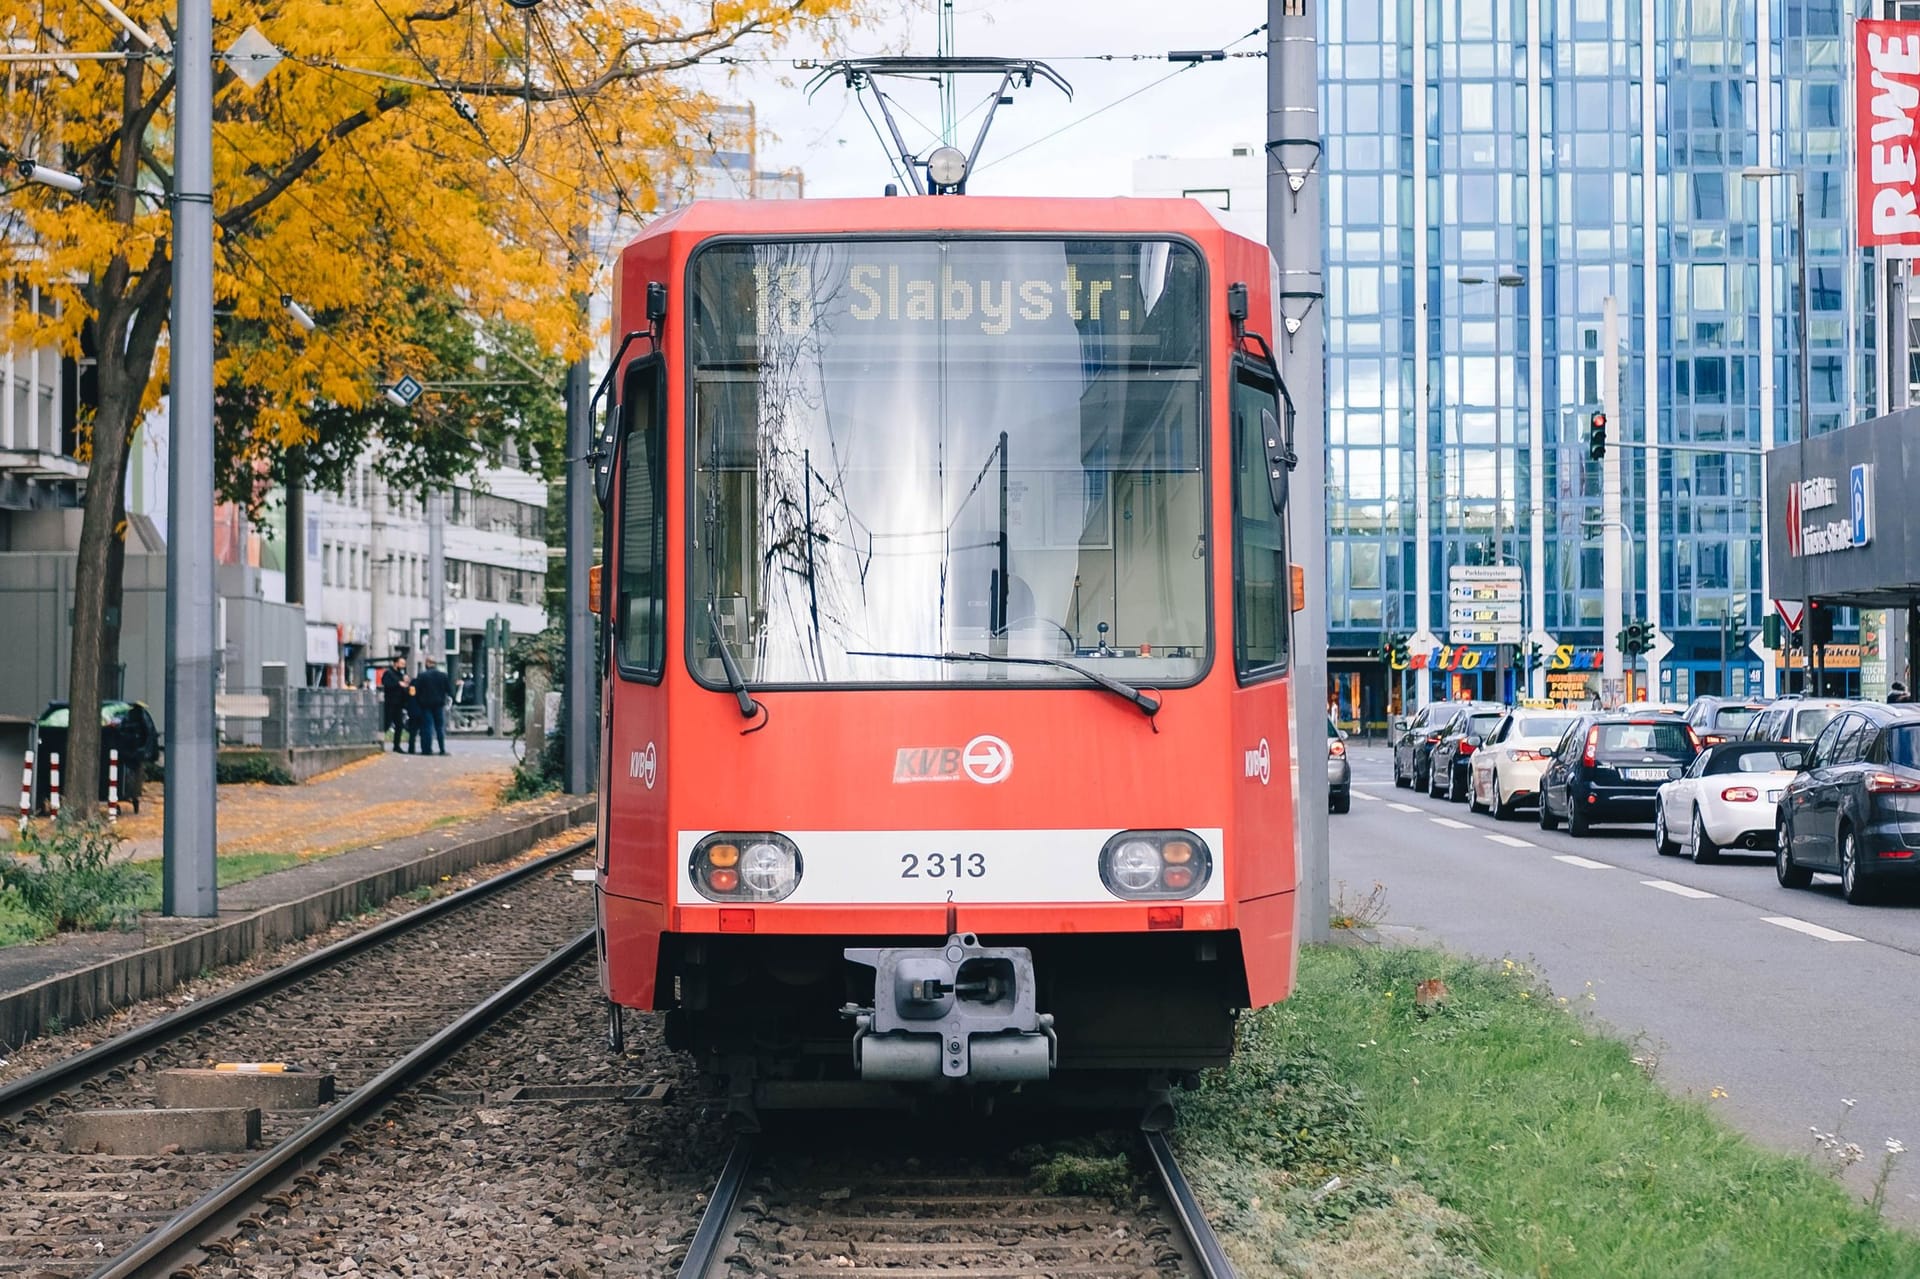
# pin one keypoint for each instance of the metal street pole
(579, 629)
(437, 579)
(191, 833)
(1294, 235)
(1806, 416)
(1612, 619)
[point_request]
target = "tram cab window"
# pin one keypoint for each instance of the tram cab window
(1262, 580)
(905, 451)
(640, 613)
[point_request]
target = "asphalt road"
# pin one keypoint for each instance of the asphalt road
(1789, 1001)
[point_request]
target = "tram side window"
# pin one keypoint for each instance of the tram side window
(642, 607)
(1262, 583)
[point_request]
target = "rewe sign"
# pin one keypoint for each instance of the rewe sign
(1886, 111)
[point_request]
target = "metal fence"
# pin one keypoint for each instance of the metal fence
(332, 716)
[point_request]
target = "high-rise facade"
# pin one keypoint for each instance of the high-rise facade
(1496, 170)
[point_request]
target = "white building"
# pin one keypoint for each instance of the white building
(368, 570)
(1234, 186)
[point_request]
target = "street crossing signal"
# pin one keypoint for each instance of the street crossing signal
(1820, 628)
(1635, 638)
(1597, 436)
(1397, 651)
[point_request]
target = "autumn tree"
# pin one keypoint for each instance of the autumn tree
(401, 150)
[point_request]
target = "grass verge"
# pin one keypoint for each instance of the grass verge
(136, 888)
(1373, 1125)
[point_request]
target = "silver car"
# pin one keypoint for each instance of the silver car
(1339, 772)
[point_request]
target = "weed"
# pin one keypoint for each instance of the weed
(1894, 1150)
(1093, 1166)
(423, 893)
(72, 881)
(239, 767)
(1359, 911)
(538, 776)
(55, 1023)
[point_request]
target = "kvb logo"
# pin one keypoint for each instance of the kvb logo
(1260, 762)
(986, 760)
(644, 766)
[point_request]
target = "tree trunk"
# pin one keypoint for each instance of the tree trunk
(106, 483)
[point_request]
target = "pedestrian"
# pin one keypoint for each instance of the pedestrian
(393, 699)
(1897, 692)
(432, 690)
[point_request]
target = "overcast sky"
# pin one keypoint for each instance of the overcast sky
(1203, 111)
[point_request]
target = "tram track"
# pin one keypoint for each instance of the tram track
(376, 1010)
(791, 1214)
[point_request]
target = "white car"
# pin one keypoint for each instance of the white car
(1506, 768)
(1727, 799)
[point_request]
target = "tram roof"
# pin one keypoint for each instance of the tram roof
(1061, 215)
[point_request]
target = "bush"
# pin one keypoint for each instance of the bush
(71, 881)
(238, 767)
(541, 775)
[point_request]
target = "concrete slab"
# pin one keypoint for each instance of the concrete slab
(267, 1090)
(154, 1132)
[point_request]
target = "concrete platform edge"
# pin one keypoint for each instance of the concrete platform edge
(101, 988)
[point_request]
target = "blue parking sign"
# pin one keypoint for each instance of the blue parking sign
(1861, 503)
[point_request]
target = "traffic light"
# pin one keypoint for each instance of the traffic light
(1635, 638)
(1772, 631)
(1597, 436)
(1398, 654)
(1821, 629)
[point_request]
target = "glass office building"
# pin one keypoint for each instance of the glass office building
(1496, 170)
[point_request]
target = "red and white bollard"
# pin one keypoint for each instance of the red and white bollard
(113, 784)
(26, 790)
(53, 783)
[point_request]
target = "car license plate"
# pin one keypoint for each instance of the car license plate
(1773, 796)
(1644, 774)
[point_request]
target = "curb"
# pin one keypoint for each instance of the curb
(101, 988)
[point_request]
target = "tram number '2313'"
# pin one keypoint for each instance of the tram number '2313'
(943, 865)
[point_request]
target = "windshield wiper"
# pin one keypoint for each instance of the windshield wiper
(736, 682)
(1149, 705)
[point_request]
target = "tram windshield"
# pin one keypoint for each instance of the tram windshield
(913, 460)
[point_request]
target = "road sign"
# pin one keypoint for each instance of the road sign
(1483, 573)
(1461, 592)
(1484, 634)
(1505, 610)
(407, 388)
(1791, 611)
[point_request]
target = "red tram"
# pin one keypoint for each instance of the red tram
(947, 615)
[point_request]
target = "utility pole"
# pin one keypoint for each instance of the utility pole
(296, 538)
(191, 833)
(1612, 682)
(1294, 235)
(579, 629)
(437, 577)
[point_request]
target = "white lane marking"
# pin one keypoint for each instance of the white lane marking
(1588, 864)
(1811, 930)
(1448, 821)
(1511, 841)
(1678, 890)
(1360, 794)
(1403, 808)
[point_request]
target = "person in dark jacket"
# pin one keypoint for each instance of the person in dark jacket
(432, 690)
(393, 700)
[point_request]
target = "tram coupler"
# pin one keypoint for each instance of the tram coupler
(960, 1011)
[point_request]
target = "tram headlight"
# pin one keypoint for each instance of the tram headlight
(758, 866)
(947, 166)
(1146, 865)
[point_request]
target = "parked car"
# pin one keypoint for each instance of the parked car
(1339, 770)
(1607, 768)
(1855, 809)
(1727, 798)
(1505, 771)
(1414, 740)
(1795, 718)
(1721, 719)
(1453, 753)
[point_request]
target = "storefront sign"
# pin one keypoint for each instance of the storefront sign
(1886, 111)
(1839, 528)
(1833, 657)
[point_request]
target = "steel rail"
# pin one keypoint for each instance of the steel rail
(704, 1251)
(1206, 1245)
(166, 1247)
(63, 1075)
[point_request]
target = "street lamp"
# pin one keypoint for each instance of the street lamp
(1760, 173)
(1506, 280)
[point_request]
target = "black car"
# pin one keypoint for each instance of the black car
(1855, 810)
(1448, 769)
(1608, 768)
(1721, 719)
(1414, 740)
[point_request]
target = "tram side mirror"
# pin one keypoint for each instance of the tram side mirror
(1276, 449)
(600, 456)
